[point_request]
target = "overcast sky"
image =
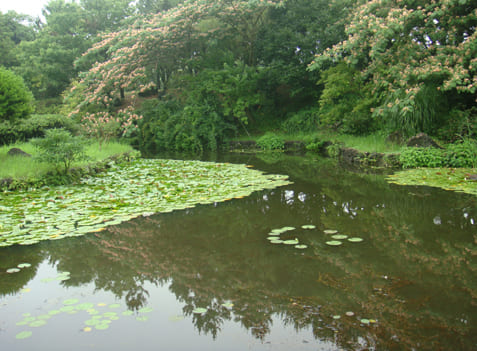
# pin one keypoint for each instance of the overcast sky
(29, 7)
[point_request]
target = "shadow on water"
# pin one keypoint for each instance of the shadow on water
(409, 285)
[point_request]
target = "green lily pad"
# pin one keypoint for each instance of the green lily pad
(291, 242)
(38, 323)
(301, 247)
(146, 310)
(102, 326)
(13, 270)
(114, 305)
(355, 240)
(23, 335)
(199, 310)
(330, 231)
(24, 265)
(334, 243)
(337, 316)
(339, 236)
(308, 226)
(70, 302)
(127, 313)
(277, 241)
(85, 306)
(365, 321)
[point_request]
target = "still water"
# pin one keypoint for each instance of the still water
(208, 278)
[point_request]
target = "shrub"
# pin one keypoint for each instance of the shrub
(34, 126)
(15, 99)
(60, 148)
(422, 157)
(271, 141)
(462, 154)
(315, 143)
(303, 121)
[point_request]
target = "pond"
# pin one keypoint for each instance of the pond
(212, 277)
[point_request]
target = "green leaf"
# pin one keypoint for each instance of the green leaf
(334, 243)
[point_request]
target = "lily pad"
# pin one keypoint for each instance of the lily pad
(339, 236)
(70, 302)
(199, 310)
(301, 247)
(102, 326)
(291, 242)
(334, 243)
(277, 241)
(38, 323)
(355, 240)
(308, 226)
(365, 321)
(23, 335)
(330, 231)
(146, 310)
(337, 316)
(24, 265)
(13, 270)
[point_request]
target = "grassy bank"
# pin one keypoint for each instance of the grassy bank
(19, 167)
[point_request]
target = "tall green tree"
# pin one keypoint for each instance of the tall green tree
(14, 28)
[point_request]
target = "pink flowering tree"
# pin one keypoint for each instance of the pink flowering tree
(142, 58)
(413, 55)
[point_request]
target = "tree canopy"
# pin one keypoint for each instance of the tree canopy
(190, 73)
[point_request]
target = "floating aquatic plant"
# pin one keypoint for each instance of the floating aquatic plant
(334, 243)
(330, 231)
(199, 310)
(308, 226)
(339, 236)
(355, 240)
(124, 192)
(455, 179)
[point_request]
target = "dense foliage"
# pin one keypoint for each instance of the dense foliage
(15, 99)
(187, 75)
(416, 58)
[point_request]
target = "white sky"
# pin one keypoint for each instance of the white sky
(29, 7)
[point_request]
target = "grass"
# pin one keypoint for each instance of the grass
(19, 167)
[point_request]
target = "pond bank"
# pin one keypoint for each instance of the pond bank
(74, 174)
(348, 157)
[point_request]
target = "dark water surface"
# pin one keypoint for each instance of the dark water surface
(136, 285)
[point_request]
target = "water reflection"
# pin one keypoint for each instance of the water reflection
(414, 274)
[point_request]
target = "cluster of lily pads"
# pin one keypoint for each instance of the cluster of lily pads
(274, 236)
(18, 268)
(338, 238)
(100, 315)
(141, 188)
(454, 179)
